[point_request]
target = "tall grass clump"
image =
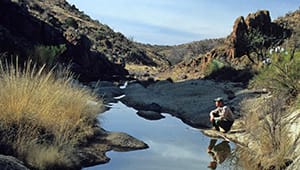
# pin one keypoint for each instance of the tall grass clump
(43, 118)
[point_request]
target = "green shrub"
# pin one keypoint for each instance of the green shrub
(71, 22)
(281, 76)
(214, 66)
(47, 55)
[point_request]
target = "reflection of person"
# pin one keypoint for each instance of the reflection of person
(218, 152)
(222, 116)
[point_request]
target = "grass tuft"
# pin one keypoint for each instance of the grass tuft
(44, 118)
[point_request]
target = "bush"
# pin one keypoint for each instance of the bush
(44, 119)
(71, 22)
(48, 55)
(214, 66)
(281, 76)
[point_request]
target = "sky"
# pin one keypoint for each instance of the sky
(173, 22)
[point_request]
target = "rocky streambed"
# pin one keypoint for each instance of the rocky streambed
(189, 101)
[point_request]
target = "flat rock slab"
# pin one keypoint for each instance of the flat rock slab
(190, 101)
(120, 141)
(95, 152)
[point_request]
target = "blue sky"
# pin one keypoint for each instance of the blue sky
(171, 22)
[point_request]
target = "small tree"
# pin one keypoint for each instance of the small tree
(255, 43)
(259, 43)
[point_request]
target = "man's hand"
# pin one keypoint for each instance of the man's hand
(211, 119)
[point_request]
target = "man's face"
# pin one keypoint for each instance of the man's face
(219, 103)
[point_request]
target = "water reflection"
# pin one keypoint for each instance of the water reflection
(173, 145)
(218, 152)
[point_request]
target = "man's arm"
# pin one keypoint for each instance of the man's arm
(214, 113)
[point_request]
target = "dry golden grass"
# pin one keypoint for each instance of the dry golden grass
(42, 117)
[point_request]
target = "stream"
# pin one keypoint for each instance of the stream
(173, 145)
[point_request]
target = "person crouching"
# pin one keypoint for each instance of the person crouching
(222, 116)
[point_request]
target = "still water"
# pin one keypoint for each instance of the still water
(173, 145)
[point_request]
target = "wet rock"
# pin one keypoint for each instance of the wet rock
(109, 92)
(123, 142)
(150, 115)
(94, 152)
(11, 163)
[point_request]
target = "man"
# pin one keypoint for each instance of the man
(222, 116)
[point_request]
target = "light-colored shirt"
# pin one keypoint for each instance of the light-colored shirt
(224, 113)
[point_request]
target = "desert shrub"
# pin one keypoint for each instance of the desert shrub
(42, 54)
(71, 22)
(214, 66)
(43, 119)
(281, 76)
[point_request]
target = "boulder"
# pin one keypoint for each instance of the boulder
(11, 163)
(120, 141)
(150, 115)
(94, 152)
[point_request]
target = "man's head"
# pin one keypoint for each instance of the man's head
(219, 101)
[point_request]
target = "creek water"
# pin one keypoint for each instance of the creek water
(173, 145)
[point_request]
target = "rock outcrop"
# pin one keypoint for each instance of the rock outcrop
(95, 151)
(260, 21)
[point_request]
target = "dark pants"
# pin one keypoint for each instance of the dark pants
(224, 124)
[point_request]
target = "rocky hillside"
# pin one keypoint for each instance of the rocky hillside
(246, 46)
(94, 50)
